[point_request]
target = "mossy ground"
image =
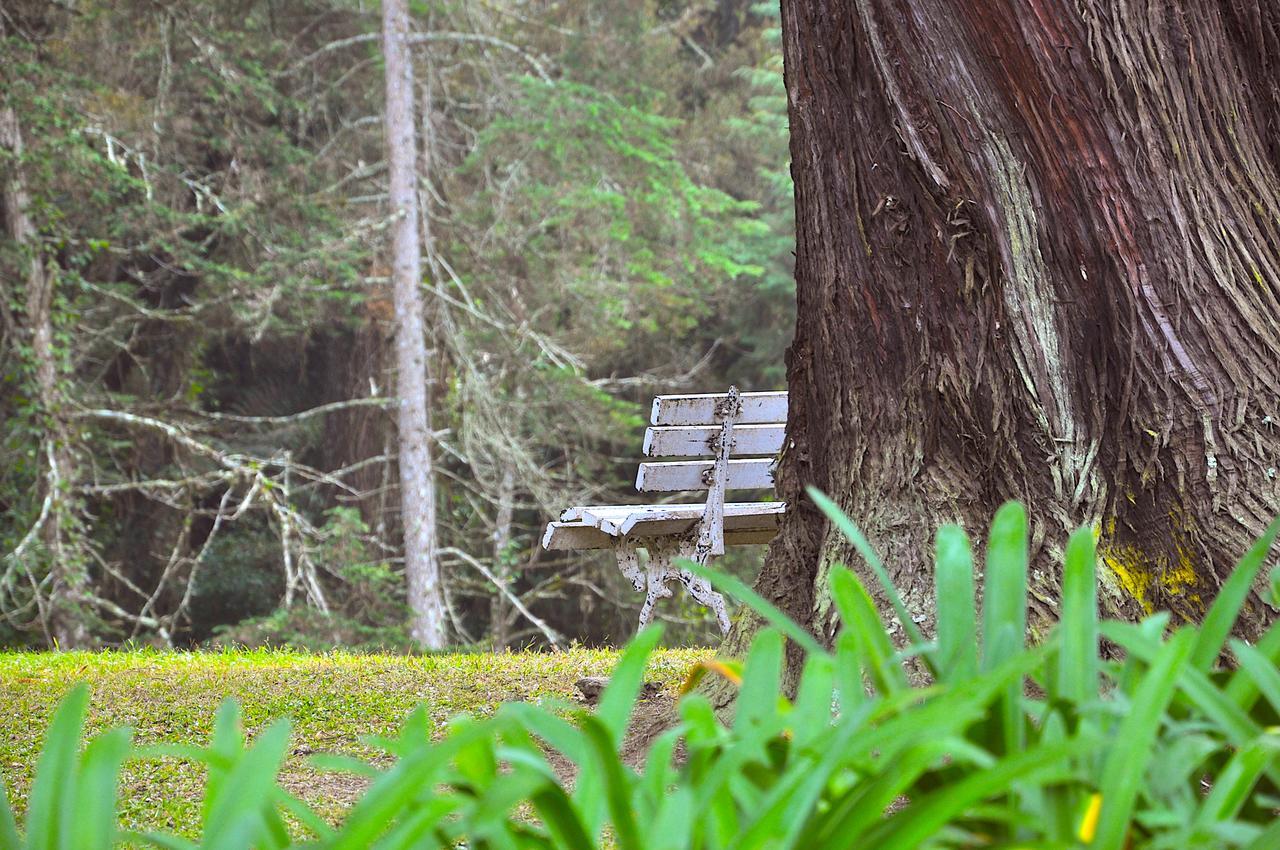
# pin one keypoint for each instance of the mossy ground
(334, 701)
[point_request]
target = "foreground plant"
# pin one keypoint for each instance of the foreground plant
(954, 742)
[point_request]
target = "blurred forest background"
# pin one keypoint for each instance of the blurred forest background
(203, 448)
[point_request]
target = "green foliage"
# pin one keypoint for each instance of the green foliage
(370, 615)
(208, 185)
(592, 194)
(239, 580)
(1008, 745)
(763, 132)
(154, 249)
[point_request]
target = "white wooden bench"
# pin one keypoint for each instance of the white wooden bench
(740, 435)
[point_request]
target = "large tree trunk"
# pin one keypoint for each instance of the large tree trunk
(1038, 258)
(417, 485)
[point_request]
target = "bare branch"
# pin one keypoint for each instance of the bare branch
(323, 409)
(194, 482)
(426, 38)
(552, 636)
(20, 549)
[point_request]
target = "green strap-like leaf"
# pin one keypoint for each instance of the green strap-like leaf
(8, 826)
(787, 813)
(1009, 734)
(758, 697)
(1268, 840)
(416, 825)
(860, 616)
(1078, 643)
(787, 806)
(304, 814)
(1126, 764)
(1226, 607)
(1004, 614)
(1196, 687)
(811, 714)
(910, 828)
(399, 788)
(957, 654)
(1260, 670)
(617, 784)
(1234, 784)
(1004, 589)
(850, 687)
(843, 825)
(676, 823)
(246, 806)
(53, 790)
(556, 811)
(744, 594)
(226, 745)
(157, 839)
(659, 773)
(1242, 689)
(557, 732)
(95, 821)
(619, 697)
(855, 536)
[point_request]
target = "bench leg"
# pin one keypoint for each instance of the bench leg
(700, 589)
(629, 563)
(650, 582)
(652, 579)
(655, 583)
(662, 569)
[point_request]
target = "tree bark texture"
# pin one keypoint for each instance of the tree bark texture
(417, 490)
(500, 609)
(1038, 258)
(62, 611)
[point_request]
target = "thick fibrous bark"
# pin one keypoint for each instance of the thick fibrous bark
(1038, 258)
(417, 491)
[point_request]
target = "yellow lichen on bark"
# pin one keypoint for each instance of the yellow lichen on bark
(1148, 579)
(1131, 572)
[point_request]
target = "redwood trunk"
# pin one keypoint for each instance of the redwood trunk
(1038, 258)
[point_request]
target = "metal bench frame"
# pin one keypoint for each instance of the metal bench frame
(700, 543)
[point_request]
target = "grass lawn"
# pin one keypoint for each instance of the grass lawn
(334, 700)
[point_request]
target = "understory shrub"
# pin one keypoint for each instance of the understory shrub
(1154, 744)
(367, 613)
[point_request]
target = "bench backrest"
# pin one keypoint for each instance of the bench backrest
(687, 425)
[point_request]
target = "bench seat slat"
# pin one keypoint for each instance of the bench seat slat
(622, 520)
(673, 476)
(695, 440)
(561, 537)
(757, 516)
(757, 409)
(581, 512)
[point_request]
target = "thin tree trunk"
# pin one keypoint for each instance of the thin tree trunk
(64, 615)
(1038, 258)
(417, 493)
(500, 610)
